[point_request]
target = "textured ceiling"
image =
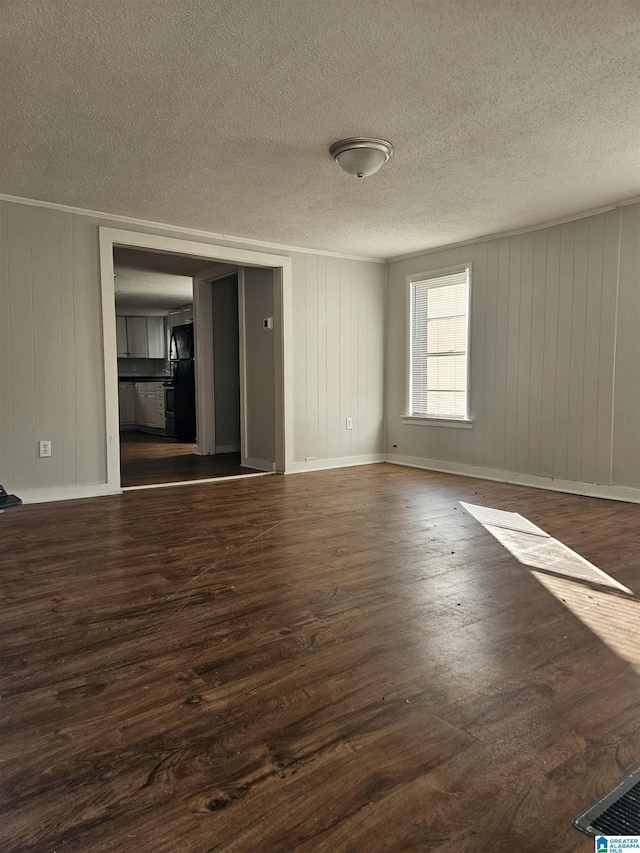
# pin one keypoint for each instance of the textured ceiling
(219, 115)
(155, 282)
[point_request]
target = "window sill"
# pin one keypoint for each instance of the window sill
(453, 423)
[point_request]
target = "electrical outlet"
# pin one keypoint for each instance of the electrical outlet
(349, 423)
(45, 448)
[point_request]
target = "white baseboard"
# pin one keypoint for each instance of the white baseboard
(227, 448)
(340, 462)
(258, 464)
(573, 487)
(65, 493)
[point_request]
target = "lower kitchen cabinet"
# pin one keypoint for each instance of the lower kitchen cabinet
(142, 406)
(127, 399)
(151, 405)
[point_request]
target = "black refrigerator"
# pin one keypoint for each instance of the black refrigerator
(184, 383)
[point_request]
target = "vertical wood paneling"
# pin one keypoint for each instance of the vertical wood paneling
(68, 358)
(396, 433)
(51, 342)
(522, 389)
(502, 316)
(592, 348)
(322, 357)
(606, 361)
(374, 366)
(311, 352)
(333, 358)
(563, 363)
(626, 404)
(335, 300)
(345, 356)
(22, 365)
(47, 329)
(6, 402)
(486, 381)
(547, 341)
(537, 350)
(577, 353)
(543, 330)
(300, 357)
(550, 352)
(513, 351)
(90, 412)
(447, 441)
(361, 403)
(354, 334)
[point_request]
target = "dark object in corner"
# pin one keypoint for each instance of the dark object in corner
(7, 501)
(617, 813)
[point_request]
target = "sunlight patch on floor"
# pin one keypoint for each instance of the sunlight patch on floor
(612, 614)
(615, 619)
(533, 547)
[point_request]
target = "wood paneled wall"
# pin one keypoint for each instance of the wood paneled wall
(339, 364)
(555, 354)
(52, 376)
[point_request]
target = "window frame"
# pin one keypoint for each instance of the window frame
(435, 420)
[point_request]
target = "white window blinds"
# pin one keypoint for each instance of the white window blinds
(439, 332)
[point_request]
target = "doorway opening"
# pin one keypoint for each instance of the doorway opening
(156, 368)
(184, 320)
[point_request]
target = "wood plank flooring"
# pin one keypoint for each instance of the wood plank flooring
(336, 662)
(147, 459)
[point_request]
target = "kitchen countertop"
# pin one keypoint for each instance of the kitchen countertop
(164, 378)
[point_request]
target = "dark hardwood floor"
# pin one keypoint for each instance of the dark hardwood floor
(147, 459)
(336, 662)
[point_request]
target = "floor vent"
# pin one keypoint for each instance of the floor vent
(617, 813)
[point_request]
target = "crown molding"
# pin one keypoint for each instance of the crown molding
(596, 211)
(181, 229)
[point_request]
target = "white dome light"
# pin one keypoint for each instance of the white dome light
(361, 156)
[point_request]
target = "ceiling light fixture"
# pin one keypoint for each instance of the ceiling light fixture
(361, 156)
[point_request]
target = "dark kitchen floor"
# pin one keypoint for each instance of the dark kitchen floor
(147, 460)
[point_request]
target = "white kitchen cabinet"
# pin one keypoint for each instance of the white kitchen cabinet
(150, 397)
(127, 399)
(137, 337)
(121, 337)
(155, 337)
(147, 415)
(141, 337)
(175, 318)
(180, 316)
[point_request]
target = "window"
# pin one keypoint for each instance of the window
(438, 362)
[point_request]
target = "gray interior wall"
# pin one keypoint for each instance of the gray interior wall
(338, 369)
(554, 361)
(226, 369)
(555, 354)
(52, 381)
(260, 360)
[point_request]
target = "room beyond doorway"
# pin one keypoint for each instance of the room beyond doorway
(282, 396)
(156, 368)
(150, 460)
